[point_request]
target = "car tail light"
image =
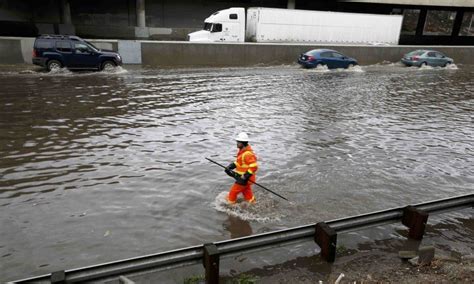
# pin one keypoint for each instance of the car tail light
(34, 53)
(415, 58)
(309, 57)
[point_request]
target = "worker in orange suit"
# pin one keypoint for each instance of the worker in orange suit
(242, 170)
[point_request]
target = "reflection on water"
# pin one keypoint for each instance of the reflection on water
(237, 227)
(263, 211)
(91, 162)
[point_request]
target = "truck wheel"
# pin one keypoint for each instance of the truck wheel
(54, 65)
(108, 65)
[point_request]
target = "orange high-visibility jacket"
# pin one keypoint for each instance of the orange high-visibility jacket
(246, 161)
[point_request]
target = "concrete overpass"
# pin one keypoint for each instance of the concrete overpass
(443, 22)
(446, 3)
(426, 22)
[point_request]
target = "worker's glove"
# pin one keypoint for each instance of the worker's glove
(240, 180)
(246, 176)
(231, 166)
(229, 172)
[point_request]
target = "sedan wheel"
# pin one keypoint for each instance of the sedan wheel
(423, 64)
(350, 66)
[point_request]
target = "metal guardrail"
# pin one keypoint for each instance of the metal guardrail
(324, 234)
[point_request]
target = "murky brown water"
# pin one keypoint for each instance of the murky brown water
(97, 167)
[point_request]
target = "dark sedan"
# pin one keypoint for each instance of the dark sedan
(325, 57)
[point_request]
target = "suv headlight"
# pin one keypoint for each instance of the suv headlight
(118, 57)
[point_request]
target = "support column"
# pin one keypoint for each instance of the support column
(211, 263)
(65, 12)
(291, 4)
(326, 238)
(141, 23)
(457, 23)
(415, 220)
(421, 22)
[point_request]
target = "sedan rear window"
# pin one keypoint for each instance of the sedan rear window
(416, 52)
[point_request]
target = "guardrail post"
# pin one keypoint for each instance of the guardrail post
(326, 238)
(58, 277)
(211, 263)
(415, 220)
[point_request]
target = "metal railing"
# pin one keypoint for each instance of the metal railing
(212, 252)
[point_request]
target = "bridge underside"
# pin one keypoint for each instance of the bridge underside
(426, 22)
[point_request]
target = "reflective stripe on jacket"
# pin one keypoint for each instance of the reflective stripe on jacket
(246, 161)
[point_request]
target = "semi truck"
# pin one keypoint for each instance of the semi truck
(298, 26)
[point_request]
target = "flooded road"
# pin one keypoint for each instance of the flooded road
(97, 167)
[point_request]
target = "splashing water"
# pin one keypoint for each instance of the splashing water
(263, 211)
(355, 68)
(319, 69)
(115, 70)
(451, 66)
(59, 71)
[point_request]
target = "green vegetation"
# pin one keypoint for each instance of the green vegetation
(197, 279)
(245, 279)
(341, 249)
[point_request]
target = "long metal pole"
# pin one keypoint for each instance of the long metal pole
(250, 180)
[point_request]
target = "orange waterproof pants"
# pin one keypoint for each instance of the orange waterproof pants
(245, 189)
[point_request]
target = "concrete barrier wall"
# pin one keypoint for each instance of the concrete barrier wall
(10, 51)
(186, 54)
(248, 54)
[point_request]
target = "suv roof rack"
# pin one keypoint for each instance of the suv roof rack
(72, 37)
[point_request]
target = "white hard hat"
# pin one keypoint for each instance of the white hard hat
(242, 137)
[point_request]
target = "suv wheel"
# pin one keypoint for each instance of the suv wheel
(108, 65)
(54, 65)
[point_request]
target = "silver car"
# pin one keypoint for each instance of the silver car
(424, 57)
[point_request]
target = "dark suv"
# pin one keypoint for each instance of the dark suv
(72, 52)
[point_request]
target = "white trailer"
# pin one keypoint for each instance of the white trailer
(299, 26)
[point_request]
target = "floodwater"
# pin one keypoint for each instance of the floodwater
(96, 167)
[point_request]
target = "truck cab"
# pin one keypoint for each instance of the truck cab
(223, 26)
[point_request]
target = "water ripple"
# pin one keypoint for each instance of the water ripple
(128, 148)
